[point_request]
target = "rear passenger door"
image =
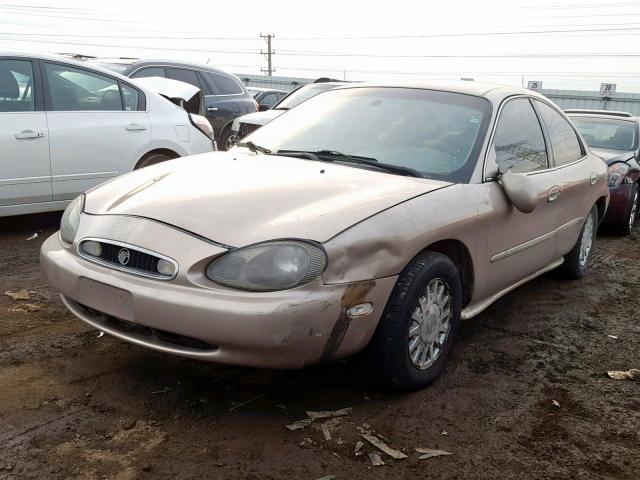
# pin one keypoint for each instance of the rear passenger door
(572, 196)
(229, 97)
(98, 127)
(25, 170)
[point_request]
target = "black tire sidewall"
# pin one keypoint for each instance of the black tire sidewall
(393, 333)
(152, 159)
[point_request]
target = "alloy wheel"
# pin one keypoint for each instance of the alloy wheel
(634, 210)
(587, 241)
(430, 324)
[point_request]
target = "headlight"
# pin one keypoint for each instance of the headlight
(270, 266)
(71, 219)
(617, 173)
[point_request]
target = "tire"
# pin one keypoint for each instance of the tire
(575, 266)
(152, 159)
(627, 225)
(391, 347)
(227, 139)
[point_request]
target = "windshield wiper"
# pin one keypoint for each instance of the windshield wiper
(333, 155)
(299, 154)
(253, 147)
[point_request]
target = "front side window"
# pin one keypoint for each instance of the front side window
(269, 99)
(518, 140)
(223, 84)
(16, 86)
(436, 134)
(564, 141)
(612, 134)
(74, 89)
(186, 76)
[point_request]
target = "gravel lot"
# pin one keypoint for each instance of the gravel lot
(76, 406)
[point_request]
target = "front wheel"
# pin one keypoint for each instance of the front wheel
(419, 325)
(227, 139)
(577, 260)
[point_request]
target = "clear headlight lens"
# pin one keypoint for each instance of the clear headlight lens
(71, 219)
(270, 266)
(617, 172)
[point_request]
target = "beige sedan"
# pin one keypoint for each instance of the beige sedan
(370, 216)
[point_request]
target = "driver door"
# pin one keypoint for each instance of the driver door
(520, 244)
(97, 127)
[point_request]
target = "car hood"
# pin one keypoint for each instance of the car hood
(612, 156)
(257, 118)
(240, 199)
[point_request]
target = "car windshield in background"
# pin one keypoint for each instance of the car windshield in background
(607, 133)
(305, 92)
(114, 67)
(431, 132)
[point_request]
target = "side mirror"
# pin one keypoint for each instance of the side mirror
(521, 190)
(263, 108)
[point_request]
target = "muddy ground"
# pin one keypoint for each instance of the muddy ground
(76, 406)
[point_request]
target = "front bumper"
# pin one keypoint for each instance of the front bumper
(191, 318)
(619, 204)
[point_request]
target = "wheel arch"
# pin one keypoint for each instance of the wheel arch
(601, 204)
(163, 151)
(459, 254)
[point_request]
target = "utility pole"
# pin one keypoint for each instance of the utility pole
(269, 70)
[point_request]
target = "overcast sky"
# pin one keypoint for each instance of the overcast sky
(576, 45)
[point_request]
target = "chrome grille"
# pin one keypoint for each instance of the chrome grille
(127, 258)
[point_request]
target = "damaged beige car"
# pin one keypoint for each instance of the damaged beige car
(369, 216)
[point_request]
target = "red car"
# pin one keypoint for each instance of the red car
(614, 137)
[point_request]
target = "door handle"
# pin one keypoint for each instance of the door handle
(212, 109)
(135, 127)
(28, 134)
(554, 193)
(593, 178)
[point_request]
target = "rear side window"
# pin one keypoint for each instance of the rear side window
(130, 97)
(74, 89)
(224, 85)
(16, 86)
(564, 141)
(519, 137)
(149, 72)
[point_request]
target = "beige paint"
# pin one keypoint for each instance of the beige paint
(371, 224)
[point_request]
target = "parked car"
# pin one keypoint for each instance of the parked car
(267, 97)
(369, 215)
(243, 126)
(225, 96)
(614, 137)
(66, 126)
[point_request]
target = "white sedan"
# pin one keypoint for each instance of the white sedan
(66, 127)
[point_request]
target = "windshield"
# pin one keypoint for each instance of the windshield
(437, 134)
(114, 67)
(305, 92)
(607, 133)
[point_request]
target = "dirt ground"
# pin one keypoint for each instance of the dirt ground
(74, 405)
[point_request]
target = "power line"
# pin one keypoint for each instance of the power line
(310, 53)
(163, 37)
(465, 34)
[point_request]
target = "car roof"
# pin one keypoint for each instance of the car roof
(491, 91)
(607, 114)
(139, 62)
(262, 89)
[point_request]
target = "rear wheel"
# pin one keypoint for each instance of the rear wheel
(418, 329)
(577, 260)
(627, 225)
(152, 159)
